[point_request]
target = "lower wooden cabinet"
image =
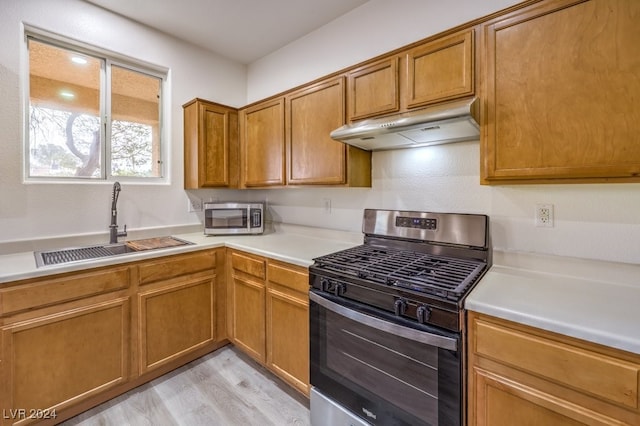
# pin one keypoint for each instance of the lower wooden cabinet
(287, 322)
(269, 315)
(175, 319)
(74, 340)
(526, 376)
(54, 361)
(179, 303)
(247, 304)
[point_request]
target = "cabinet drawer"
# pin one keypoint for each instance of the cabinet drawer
(51, 291)
(170, 267)
(578, 368)
(290, 278)
(249, 265)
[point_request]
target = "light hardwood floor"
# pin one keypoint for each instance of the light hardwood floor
(223, 388)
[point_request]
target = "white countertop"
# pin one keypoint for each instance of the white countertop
(591, 300)
(288, 243)
(587, 299)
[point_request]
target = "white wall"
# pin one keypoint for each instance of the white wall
(38, 210)
(372, 29)
(591, 221)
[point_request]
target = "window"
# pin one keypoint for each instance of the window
(91, 116)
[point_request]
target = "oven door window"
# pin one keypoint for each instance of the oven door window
(381, 377)
(226, 218)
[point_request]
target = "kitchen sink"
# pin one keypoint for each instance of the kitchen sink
(77, 254)
(120, 248)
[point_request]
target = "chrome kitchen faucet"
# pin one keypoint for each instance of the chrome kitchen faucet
(113, 228)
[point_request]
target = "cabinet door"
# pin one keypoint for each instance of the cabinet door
(175, 319)
(248, 320)
(262, 140)
(312, 156)
(210, 145)
(562, 88)
(503, 402)
(248, 303)
(288, 324)
(373, 90)
(440, 70)
(57, 360)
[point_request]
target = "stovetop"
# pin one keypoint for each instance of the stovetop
(441, 276)
(418, 265)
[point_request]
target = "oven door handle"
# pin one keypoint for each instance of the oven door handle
(386, 326)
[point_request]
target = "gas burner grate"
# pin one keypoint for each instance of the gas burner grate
(442, 276)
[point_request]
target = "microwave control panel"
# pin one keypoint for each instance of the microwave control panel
(256, 218)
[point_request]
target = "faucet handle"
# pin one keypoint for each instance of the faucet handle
(123, 233)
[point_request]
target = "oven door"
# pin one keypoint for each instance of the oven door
(384, 369)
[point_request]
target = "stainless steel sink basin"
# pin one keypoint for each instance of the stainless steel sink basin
(77, 254)
(120, 248)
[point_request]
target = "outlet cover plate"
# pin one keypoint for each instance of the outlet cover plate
(544, 215)
(194, 205)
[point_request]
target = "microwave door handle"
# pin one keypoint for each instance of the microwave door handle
(386, 326)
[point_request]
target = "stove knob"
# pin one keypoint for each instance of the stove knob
(400, 306)
(324, 284)
(338, 289)
(423, 313)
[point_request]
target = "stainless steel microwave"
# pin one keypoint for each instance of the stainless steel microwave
(233, 218)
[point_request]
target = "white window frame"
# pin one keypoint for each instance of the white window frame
(110, 58)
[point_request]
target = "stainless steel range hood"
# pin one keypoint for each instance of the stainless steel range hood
(454, 121)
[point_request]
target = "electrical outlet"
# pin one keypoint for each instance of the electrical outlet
(544, 215)
(326, 202)
(194, 205)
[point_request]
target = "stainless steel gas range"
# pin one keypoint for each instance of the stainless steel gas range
(387, 321)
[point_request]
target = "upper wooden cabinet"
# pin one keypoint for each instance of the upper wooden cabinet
(312, 156)
(262, 142)
(440, 70)
(431, 72)
(285, 141)
(561, 88)
(373, 89)
(210, 145)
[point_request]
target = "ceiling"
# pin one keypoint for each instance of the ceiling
(241, 30)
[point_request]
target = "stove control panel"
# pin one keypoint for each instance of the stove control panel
(416, 222)
(332, 286)
(415, 308)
